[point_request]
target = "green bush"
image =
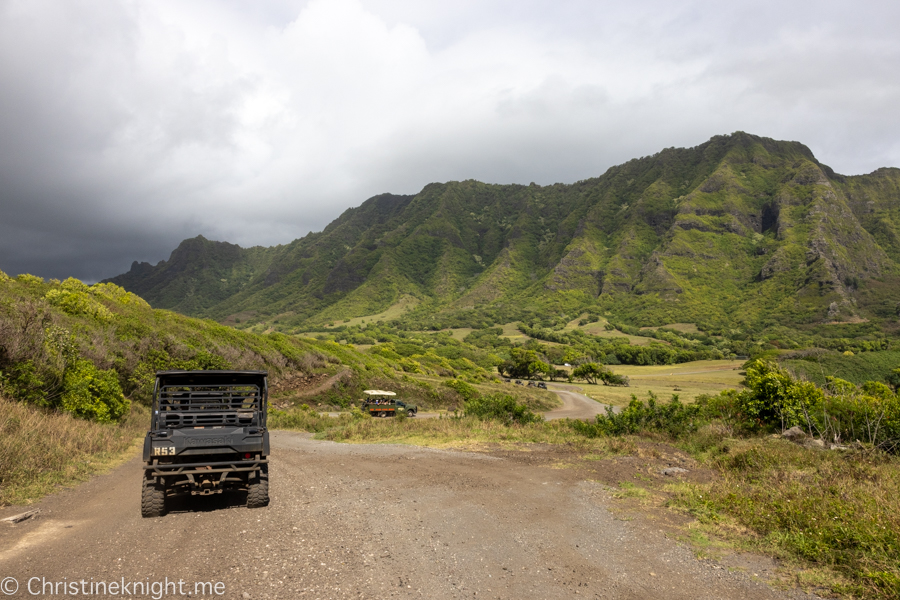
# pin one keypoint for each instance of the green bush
(869, 413)
(90, 393)
(74, 298)
(672, 418)
(24, 382)
(500, 407)
(465, 390)
(775, 399)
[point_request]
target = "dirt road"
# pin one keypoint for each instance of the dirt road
(575, 405)
(373, 521)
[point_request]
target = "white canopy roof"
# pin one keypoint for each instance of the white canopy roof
(379, 393)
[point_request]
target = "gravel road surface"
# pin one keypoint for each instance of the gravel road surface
(366, 521)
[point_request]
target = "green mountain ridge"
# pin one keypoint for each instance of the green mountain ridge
(741, 231)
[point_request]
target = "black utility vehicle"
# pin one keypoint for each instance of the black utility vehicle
(207, 434)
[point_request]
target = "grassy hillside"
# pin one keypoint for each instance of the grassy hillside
(91, 350)
(56, 335)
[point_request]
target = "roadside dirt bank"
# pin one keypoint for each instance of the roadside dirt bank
(382, 521)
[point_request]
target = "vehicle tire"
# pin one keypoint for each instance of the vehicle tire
(411, 413)
(153, 499)
(258, 490)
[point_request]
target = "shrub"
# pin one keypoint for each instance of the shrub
(410, 366)
(465, 390)
(673, 419)
(29, 279)
(841, 411)
(24, 382)
(112, 292)
(500, 407)
(74, 298)
(90, 393)
(775, 399)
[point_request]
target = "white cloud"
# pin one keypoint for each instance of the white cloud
(136, 124)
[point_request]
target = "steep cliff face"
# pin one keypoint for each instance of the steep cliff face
(741, 229)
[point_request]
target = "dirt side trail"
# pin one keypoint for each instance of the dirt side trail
(369, 521)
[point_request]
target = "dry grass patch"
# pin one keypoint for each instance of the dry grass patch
(40, 449)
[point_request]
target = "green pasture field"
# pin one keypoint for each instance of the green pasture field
(460, 333)
(691, 379)
(395, 311)
(511, 332)
(682, 327)
(598, 329)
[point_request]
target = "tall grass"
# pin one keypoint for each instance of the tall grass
(40, 449)
(837, 512)
(303, 418)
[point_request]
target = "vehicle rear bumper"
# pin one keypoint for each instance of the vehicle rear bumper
(158, 469)
(205, 442)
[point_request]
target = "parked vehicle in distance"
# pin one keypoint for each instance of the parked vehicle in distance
(380, 403)
(207, 434)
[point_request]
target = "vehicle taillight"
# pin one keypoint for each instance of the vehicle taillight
(246, 455)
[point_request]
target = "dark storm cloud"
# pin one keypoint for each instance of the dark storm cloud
(126, 127)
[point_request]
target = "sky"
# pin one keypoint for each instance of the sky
(128, 126)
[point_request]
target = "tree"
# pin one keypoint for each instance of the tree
(558, 374)
(590, 372)
(523, 364)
